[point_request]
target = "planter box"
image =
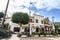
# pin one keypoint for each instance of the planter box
(23, 35)
(41, 35)
(58, 35)
(47, 35)
(51, 35)
(36, 35)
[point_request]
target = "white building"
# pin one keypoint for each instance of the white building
(0, 22)
(36, 22)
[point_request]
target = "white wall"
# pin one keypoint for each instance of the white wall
(16, 25)
(13, 25)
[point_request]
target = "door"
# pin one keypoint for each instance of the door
(16, 29)
(26, 29)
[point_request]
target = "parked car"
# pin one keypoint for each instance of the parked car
(4, 33)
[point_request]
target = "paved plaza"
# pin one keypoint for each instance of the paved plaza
(41, 38)
(14, 37)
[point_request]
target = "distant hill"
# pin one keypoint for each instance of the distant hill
(57, 23)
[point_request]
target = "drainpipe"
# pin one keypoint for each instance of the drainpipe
(43, 24)
(30, 25)
(30, 29)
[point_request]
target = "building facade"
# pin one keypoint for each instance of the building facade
(36, 22)
(0, 22)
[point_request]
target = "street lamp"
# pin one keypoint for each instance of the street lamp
(53, 19)
(53, 23)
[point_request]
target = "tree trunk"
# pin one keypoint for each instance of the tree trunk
(20, 28)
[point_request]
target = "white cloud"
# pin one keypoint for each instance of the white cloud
(14, 5)
(32, 12)
(2, 4)
(39, 4)
(49, 4)
(18, 2)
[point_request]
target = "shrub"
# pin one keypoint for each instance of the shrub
(37, 33)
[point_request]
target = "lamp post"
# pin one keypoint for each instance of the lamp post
(53, 23)
(5, 13)
(44, 23)
(30, 32)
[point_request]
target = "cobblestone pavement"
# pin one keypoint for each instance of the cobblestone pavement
(36, 38)
(41, 38)
(14, 37)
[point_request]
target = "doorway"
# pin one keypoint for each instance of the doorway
(27, 29)
(37, 29)
(16, 29)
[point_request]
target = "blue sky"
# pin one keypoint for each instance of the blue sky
(47, 8)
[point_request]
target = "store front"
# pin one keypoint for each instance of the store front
(16, 29)
(26, 29)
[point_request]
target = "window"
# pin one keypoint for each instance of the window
(46, 22)
(30, 20)
(42, 21)
(33, 21)
(36, 20)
